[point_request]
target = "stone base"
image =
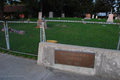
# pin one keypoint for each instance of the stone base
(106, 63)
(110, 20)
(50, 17)
(88, 18)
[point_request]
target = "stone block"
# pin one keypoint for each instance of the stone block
(106, 63)
(63, 15)
(110, 18)
(87, 16)
(50, 14)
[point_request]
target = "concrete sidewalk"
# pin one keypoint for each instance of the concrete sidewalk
(17, 68)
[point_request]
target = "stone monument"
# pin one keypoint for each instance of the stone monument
(51, 14)
(87, 16)
(92, 16)
(63, 15)
(40, 16)
(110, 18)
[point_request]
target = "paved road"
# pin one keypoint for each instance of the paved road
(17, 68)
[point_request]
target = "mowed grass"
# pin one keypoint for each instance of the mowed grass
(90, 35)
(2, 37)
(28, 42)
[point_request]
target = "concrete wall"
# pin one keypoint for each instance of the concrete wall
(107, 62)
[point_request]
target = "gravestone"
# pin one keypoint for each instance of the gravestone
(116, 18)
(119, 17)
(64, 25)
(40, 16)
(96, 17)
(110, 18)
(51, 14)
(87, 16)
(63, 15)
(92, 16)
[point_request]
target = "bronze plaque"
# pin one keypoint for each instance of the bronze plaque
(82, 59)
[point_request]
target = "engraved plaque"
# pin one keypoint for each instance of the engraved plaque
(82, 59)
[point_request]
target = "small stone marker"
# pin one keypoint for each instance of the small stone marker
(103, 25)
(87, 16)
(57, 25)
(99, 19)
(119, 17)
(51, 14)
(110, 18)
(63, 15)
(82, 19)
(92, 16)
(64, 25)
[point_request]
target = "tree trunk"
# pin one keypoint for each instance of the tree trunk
(106, 16)
(2, 9)
(2, 14)
(40, 5)
(61, 11)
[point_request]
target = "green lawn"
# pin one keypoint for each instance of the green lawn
(2, 37)
(91, 35)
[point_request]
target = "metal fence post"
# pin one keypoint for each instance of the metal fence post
(44, 38)
(118, 42)
(7, 36)
(42, 32)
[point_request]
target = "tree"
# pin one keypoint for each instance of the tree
(104, 6)
(86, 6)
(1, 9)
(32, 5)
(57, 4)
(117, 5)
(73, 6)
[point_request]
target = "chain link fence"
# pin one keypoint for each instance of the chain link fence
(2, 35)
(81, 33)
(25, 36)
(22, 37)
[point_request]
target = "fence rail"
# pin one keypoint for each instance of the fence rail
(1, 21)
(22, 22)
(82, 22)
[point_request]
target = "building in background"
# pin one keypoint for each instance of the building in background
(14, 11)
